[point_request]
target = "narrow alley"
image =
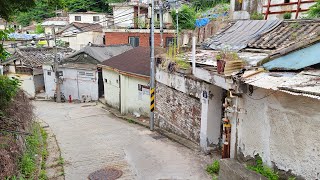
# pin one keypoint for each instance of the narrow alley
(90, 138)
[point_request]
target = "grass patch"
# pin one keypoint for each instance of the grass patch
(263, 169)
(213, 169)
(60, 161)
(36, 145)
(131, 121)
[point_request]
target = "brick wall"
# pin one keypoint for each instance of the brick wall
(123, 38)
(178, 112)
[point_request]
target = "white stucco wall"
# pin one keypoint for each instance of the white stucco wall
(123, 16)
(282, 128)
(27, 83)
(49, 80)
(73, 83)
(111, 81)
(80, 40)
(133, 100)
(211, 108)
(88, 18)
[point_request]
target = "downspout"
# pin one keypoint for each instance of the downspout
(193, 55)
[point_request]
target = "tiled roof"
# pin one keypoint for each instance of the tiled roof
(98, 52)
(35, 57)
(88, 26)
(287, 34)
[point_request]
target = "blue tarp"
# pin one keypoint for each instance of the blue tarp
(25, 36)
(202, 22)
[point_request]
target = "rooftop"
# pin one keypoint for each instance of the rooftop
(35, 57)
(97, 52)
(135, 61)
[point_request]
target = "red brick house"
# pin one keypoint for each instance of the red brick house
(137, 37)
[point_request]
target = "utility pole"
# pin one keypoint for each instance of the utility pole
(152, 70)
(56, 64)
(161, 23)
(177, 16)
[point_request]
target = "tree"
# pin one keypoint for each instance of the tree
(201, 5)
(9, 7)
(314, 11)
(4, 35)
(186, 17)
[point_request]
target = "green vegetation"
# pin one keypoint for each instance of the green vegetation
(314, 11)
(4, 35)
(8, 8)
(36, 145)
(8, 90)
(39, 29)
(60, 161)
(287, 15)
(256, 16)
(202, 5)
(44, 9)
(186, 17)
(173, 56)
(263, 170)
(213, 168)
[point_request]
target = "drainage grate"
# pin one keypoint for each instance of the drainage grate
(105, 174)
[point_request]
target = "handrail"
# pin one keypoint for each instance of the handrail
(290, 3)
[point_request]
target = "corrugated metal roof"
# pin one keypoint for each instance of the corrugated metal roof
(306, 83)
(296, 60)
(236, 37)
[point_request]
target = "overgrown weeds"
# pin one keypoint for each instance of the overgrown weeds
(35, 146)
(213, 169)
(264, 170)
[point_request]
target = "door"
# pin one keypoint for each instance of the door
(100, 83)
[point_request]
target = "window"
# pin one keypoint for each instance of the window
(158, 17)
(96, 18)
(286, 1)
(134, 41)
(49, 73)
(170, 41)
(77, 18)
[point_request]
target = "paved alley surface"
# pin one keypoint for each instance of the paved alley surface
(91, 138)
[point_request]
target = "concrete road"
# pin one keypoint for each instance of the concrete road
(90, 138)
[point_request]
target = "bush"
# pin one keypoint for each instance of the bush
(314, 11)
(186, 17)
(213, 168)
(8, 90)
(287, 15)
(256, 16)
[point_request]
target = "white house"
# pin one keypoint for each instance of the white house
(80, 77)
(90, 17)
(78, 35)
(26, 65)
(55, 22)
(126, 81)
(136, 15)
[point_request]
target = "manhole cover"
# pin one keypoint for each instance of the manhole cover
(105, 174)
